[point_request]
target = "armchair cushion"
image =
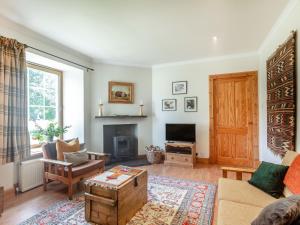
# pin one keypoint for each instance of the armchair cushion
(49, 149)
(76, 158)
(61, 147)
(86, 168)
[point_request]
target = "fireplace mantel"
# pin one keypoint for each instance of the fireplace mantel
(120, 117)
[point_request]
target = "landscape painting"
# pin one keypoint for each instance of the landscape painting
(120, 92)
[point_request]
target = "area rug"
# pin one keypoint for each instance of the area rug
(170, 202)
(130, 163)
(281, 98)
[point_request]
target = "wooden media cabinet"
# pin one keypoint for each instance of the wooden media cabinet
(180, 154)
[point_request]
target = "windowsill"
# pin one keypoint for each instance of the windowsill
(35, 153)
(36, 150)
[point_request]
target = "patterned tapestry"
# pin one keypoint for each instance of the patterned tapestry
(281, 98)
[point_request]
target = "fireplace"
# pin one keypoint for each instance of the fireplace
(123, 148)
(120, 141)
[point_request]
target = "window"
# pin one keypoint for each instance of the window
(44, 98)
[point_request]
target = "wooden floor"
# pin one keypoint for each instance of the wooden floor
(25, 205)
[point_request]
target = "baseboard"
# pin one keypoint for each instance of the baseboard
(202, 160)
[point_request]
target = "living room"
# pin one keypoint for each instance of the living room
(154, 86)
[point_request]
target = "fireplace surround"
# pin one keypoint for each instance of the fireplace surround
(120, 140)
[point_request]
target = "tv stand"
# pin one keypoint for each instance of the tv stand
(180, 154)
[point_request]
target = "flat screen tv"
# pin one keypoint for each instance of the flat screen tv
(180, 132)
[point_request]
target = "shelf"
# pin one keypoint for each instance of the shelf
(120, 117)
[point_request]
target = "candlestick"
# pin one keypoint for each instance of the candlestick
(141, 109)
(100, 112)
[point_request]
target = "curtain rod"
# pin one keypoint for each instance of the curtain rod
(66, 60)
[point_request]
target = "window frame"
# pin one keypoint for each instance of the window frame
(60, 95)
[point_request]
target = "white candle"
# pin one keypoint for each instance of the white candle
(100, 101)
(142, 103)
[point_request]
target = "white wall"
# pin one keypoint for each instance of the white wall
(73, 104)
(22, 34)
(197, 75)
(141, 77)
(290, 20)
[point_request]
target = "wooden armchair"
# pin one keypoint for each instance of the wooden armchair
(57, 170)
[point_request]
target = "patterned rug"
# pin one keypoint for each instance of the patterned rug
(170, 202)
(281, 98)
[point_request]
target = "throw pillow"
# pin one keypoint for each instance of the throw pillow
(282, 212)
(269, 178)
(76, 158)
(292, 177)
(61, 147)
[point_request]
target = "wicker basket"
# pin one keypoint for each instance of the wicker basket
(155, 155)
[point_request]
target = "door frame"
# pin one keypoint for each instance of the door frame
(212, 79)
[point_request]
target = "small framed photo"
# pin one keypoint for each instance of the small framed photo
(190, 104)
(169, 105)
(179, 87)
(120, 92)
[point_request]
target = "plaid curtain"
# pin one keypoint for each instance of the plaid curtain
(14, 135)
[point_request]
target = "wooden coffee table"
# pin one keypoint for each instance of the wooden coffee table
(115, 201)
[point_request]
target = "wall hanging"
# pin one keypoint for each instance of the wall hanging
(281, 98)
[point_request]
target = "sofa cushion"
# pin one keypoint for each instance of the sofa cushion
(86, 168)
(242, 192)
(281, 212)
(292, 177)
(61, 147)
(287, 161)
(234, 213)
(289, 158)
(269, 178)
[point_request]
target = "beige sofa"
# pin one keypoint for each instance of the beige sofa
(239, 202)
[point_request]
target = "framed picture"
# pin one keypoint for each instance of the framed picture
(120, 92)
(190, 104)
(179, 87)
(169, 105)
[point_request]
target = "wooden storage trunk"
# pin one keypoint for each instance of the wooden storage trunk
(117, 205)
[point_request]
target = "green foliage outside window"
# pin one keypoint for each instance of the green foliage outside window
(43, 105)
(48, 133)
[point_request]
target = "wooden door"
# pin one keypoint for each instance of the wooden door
(233, 119)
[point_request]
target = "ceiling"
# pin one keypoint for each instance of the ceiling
(149, 32)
